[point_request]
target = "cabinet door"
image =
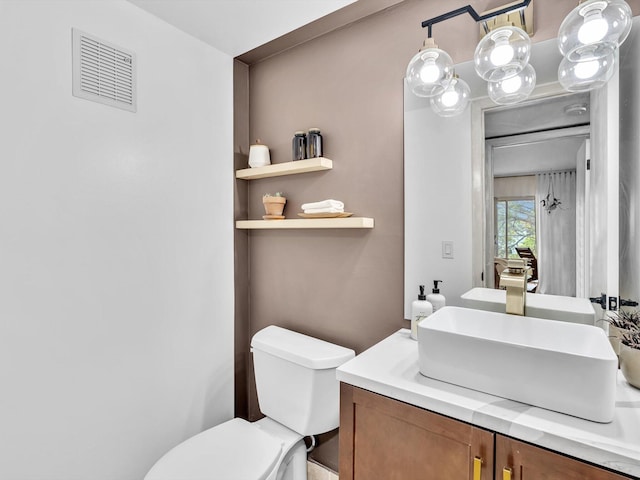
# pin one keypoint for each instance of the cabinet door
(385, 439)
(516, 460)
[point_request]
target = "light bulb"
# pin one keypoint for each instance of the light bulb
(593, 29)
(430, 72)
(450, 97)
(454, 100)
(513, 89)
(502, 53)
(584, 70)
(511, 85)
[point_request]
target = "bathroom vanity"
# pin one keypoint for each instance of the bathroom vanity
(397, 423)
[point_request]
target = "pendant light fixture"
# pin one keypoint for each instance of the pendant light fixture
(588, 38)
(453, 100)
(503, 53)
(550, 202)
(430, 70)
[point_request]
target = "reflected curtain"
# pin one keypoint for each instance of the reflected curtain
(556, 233)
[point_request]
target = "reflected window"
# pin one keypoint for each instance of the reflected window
(515, 221)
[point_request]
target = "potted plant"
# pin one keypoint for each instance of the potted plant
(621, 322)
(630, 355)
(274, 204)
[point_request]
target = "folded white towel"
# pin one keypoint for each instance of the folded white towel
(324, 204)
(324, 210)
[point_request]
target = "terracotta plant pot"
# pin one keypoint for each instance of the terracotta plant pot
(630, 364)
(274, 205)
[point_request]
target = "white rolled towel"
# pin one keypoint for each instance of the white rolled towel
(323, 204)
(324, 210)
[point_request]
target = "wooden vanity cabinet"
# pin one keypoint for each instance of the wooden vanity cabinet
(517, 460)
(382, 438)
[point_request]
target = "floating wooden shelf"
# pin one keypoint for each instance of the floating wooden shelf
(292, 168)
(289, 168)
(351, 222)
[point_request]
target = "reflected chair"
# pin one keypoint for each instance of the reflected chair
(499, 265)
(527, 254)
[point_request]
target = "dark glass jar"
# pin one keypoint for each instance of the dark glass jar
(314, 143)
(299, 146)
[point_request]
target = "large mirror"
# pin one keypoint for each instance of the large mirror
(555, 175)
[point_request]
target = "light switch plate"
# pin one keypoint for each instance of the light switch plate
(447, 249)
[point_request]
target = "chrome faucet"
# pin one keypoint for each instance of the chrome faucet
(514, 278)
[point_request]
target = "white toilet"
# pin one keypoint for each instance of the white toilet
(299, 394)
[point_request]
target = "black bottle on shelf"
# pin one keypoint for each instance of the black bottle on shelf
(299, 146)
(314, 143)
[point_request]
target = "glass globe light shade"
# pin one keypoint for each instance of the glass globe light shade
(594, 29)
(513, 89)
(453, 100)
(503, 52)
(429, 71)
(586, 75)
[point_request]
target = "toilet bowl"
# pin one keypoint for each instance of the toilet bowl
(236, 449)
(299, 394)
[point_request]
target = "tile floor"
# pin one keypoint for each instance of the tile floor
(318, 472)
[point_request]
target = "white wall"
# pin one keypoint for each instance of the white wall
(437, 186)
(116, 255)
(237, 27)
(544, 156)
(629, 168)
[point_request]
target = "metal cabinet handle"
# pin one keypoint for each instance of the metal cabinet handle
(506, 473)
(477, 468)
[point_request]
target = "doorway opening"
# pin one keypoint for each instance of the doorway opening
(537, 176)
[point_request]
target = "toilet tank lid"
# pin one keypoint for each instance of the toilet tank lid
(302, 349)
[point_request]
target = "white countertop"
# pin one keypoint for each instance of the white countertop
(390, 368)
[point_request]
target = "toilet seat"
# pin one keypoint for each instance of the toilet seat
(234, 450)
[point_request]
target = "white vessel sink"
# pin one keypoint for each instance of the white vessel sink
(552, 307)
(566, 367)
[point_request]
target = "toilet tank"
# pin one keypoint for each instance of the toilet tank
(296, 379)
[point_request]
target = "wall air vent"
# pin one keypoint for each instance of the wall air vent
(103, 72)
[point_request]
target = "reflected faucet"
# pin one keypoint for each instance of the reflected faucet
(514, 278)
